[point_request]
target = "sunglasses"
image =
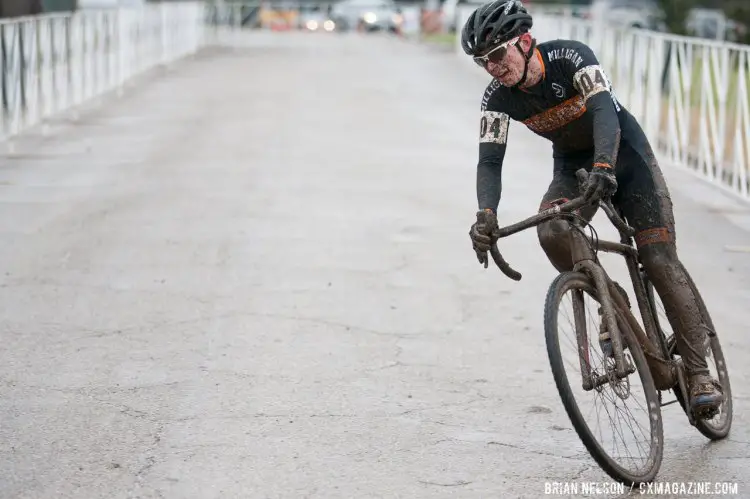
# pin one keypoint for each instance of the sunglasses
(496, 54)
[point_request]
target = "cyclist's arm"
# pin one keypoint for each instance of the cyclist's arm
(493, 134)
(592, 83)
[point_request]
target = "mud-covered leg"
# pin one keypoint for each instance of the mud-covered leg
(555, 235)
(683, 312)
(646, 204)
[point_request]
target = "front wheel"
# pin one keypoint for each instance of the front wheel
(717, 427)
(629, 407)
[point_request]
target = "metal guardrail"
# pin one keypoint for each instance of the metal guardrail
(691, 95)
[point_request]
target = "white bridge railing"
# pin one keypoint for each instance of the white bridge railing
(52, 63)
(690, 95)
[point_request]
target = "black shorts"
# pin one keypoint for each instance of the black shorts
(642, 194)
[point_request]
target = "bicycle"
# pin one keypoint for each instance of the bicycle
(652, 353)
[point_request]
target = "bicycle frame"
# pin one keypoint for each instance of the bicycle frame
(651, 340)
(666, 372)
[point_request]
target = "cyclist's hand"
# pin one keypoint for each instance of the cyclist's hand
(601, 183)
(481, 234)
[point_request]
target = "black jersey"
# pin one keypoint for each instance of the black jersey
(573, 106)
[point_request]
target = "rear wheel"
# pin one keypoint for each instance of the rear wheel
(629, 407)
(718, 426)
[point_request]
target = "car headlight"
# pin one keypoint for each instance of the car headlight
(312, 25)
(370, 17)
(329, 25)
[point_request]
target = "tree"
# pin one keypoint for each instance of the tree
(675, 14)
(740, 12)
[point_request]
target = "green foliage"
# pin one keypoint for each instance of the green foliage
(740, 12)
(675, 13)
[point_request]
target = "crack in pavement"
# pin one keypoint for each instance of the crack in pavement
(441, 406)
(19, 282)
(92, 392)
(95, 395)
(575, 476)
(441, 423)
(182, 449)
(127, 410)
(398, 363)
(454, 484)
(445, 440)
(92, 333)
(314, 320)
(262, 415)
(578, 475)
(538, 452)
(150, 461)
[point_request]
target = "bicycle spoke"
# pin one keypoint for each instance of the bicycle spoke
(618, 412)
(627, 421)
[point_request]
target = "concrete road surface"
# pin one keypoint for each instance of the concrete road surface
(250, 276)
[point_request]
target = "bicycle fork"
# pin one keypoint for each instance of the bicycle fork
(609, 319)
(584, 261)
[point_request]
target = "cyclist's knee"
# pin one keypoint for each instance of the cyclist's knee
(555, 241)
(550, 233)
(659, 259)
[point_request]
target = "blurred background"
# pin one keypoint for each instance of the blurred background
(236, 253)
(715, 19)
(688, 96)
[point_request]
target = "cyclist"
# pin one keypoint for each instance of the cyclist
(560, 92)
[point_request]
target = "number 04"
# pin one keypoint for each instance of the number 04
(494, 128)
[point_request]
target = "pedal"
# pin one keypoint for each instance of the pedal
(706, 412)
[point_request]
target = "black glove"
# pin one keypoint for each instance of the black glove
(481, 234)
(601, 183)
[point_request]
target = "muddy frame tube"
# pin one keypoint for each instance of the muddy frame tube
(630, 254)
(651, 340)
(584, 260)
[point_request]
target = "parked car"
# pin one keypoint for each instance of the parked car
(713, 23)
(314, 18)
(367, 15)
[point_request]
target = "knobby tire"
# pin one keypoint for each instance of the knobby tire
(568, 281)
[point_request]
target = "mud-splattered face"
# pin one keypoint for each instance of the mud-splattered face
(506, 64)
(509, 69)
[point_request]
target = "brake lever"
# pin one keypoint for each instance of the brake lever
(617, 221)
(606, 205)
